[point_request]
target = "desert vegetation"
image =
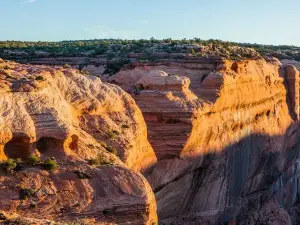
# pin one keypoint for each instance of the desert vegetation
(14, 165)
(118, 48)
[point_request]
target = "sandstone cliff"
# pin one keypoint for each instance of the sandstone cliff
(56, 112)
(222, 141)
(225, 134)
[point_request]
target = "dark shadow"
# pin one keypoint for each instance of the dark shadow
(74, 144)
(291, 91)
(49, 145)
(250, 171)
(17, 147)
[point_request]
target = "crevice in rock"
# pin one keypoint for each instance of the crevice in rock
(17, 147)
(74, 143)
(48, 145)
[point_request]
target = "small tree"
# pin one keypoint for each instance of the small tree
(192, 51)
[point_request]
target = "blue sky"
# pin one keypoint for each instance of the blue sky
(256, 21)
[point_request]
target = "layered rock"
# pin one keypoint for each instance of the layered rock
(230, 158)
(112, 195)
(57, 112)
(196, 70)
(72, 112)
(167, 104)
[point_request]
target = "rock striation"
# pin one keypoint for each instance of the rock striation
(167, 104)
(217, 141)
(58, 112)
(223, 141)
(77, 114)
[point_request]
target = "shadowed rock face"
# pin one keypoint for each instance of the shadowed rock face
(56, 112)
(225, 134)
(223, 164)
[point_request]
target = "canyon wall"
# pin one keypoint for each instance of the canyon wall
(216, 141)
(59, 113)
(222, 132)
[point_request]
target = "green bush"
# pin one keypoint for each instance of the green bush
(8, 76)
(67, 66)
(101, 160)
(103, 144)
(40, 78)
(116, 132)
(32, 205)
(111, 135)
(10, 165)
(125, 126)
(82, 175)
(50, 164)
(33, 160)
(111, 149)
(26, 193)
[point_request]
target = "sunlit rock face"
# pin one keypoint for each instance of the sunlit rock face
(223, 138)
(74, 112)
(57, 112)
(216, 139)
(167, 104)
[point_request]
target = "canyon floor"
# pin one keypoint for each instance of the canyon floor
(206, 141)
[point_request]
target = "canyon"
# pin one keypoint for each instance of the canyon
(182, 141)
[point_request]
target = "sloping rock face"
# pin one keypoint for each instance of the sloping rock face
(56, 112)
(113, 195)
(72, 112)
(239, 131)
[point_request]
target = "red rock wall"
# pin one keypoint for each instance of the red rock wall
(233, 147)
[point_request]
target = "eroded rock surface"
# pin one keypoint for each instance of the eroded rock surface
(57, 112)
(225, 134)
(72, 112)
(239, 128)
(167, 104)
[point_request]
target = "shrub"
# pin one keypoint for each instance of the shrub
(82, 175)
(101, 160)
(103, 144)
(50, 164)
(85, 72)
(8, 76)
(125, 126)
(40, 78)
(67, 66)
(106, 212)
(111, 149)
(111, 135)
(33, 160)
(10, 165)
(116, 132)
(33, 205)
(26, 193)
(192, 51)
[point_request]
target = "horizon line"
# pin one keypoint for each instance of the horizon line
(149, 39)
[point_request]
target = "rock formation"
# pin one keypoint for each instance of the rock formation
(57, 112)
(225, 134)
(167, 104)
(221, 141)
